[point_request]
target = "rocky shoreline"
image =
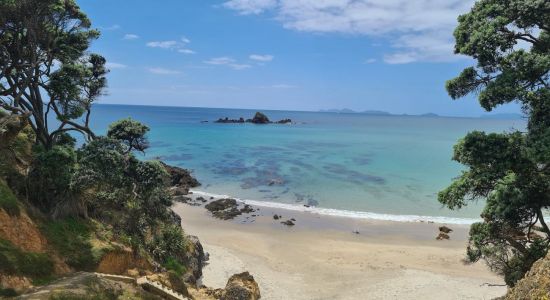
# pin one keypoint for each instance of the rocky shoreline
(240, 286)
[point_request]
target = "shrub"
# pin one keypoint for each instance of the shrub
(173, 264)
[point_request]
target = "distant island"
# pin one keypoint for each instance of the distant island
(259, 118)
(351, 111)
(430, 114)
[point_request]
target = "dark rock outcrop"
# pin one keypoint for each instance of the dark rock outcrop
(224, 209)
(221, 204)
(180, 178)
(288, 223)
(259, 118)
(241, 287)
(442, 236)
(195, 259)
(445, 229)
(284, 121)
(229, 121)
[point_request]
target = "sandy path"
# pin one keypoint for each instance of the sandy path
(320, 258)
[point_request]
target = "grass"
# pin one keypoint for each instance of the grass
(71, 238)
(8, 201)
(14, 261)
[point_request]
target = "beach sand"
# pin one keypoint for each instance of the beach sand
(322, 258)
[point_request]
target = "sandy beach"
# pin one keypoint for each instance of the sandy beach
(321, 257)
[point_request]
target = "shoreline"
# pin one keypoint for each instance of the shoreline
(345, 213)
(322, 257)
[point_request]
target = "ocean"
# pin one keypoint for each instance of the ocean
(353, 165)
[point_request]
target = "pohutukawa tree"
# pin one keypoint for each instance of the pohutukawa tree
(510, 40)
(45, 69)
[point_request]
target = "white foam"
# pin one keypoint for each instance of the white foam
(346, 213)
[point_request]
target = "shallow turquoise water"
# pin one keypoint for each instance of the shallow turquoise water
(346, 162)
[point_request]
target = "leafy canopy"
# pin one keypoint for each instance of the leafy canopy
(131, 133)
(510, 40)
(45, 68)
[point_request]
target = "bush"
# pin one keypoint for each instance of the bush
(51, 175)
(71, 238)
(8, 201)
(173, 264)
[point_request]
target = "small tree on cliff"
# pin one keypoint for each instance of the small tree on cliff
(510, 40)
(44, 67)
(131, 133)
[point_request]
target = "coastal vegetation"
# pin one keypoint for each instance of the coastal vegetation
(510, 42)
(87, 199)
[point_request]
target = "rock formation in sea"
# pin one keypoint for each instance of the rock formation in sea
(259, 118)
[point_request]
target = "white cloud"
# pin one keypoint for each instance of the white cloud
(186, 51)
(163, 71)
(130, 36)
(114, 65)
(262, 58)
(180, 46)
(412, 27)
(247, 7)
(227, 61)
(220, 61)
(162, 44)
(239, 66)
(369, 61)
(110, 28)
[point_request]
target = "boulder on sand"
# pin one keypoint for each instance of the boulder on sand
(224, 209)
(241, 287)
(445, 229)
(442, 236)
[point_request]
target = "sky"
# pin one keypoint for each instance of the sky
(389, 55)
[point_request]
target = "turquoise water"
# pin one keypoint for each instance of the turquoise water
(344, 164)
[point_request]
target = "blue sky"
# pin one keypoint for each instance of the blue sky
(391, 55)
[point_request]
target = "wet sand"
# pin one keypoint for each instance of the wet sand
(322, 258)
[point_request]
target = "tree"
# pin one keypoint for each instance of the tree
(510, 40)
(45, 69)
(131, 133)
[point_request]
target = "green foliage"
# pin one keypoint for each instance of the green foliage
(131, 133)
(8, 201)
(44, 52)
(7, 293)
(168, 245)
(174, 265)
(51, 174)
(129, 194)
(14, 261)
(511, 171)
(71, 238)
